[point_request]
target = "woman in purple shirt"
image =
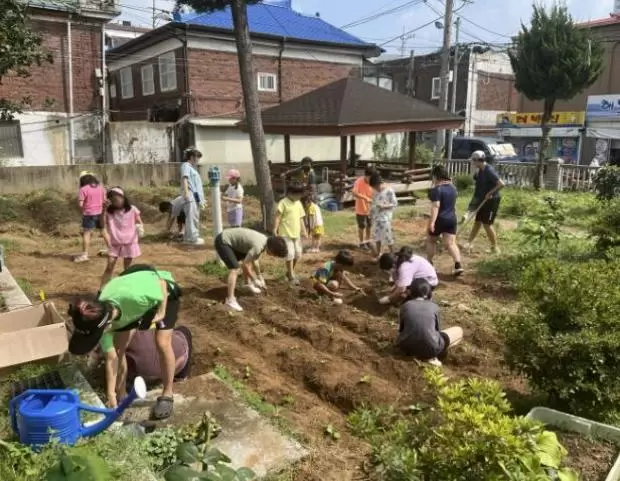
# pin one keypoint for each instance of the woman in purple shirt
(406, 267)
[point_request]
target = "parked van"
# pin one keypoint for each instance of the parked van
(463, 147)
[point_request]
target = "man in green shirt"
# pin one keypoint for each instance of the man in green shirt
(139, 298)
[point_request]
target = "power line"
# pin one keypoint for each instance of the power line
(380, 14)
(411, 31)
(484, 28)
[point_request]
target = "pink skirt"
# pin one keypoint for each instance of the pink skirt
(125, 251)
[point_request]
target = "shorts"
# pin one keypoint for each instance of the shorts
(227, 254)
(185, 371)
(294, 249)
(363, 221)
(124, 251)
(318, 231)
(444, 226)
(92, 222)
(383, 232)
(171, 316)
(487, 213)
(181, 220)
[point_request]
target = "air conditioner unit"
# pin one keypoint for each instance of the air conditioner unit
(98, 73)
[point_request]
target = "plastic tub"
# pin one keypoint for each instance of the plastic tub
(585, 427)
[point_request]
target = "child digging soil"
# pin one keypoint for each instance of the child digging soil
(328, 278)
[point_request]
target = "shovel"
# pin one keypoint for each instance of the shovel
(472, 215)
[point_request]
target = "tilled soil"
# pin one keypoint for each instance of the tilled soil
(303, 353)
(591, 459)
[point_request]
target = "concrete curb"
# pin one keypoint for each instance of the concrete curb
(14, 296)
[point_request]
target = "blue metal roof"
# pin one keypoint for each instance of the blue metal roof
(277, 21)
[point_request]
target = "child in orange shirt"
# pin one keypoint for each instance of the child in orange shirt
(362, 191)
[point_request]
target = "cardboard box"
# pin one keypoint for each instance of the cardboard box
(36, 333)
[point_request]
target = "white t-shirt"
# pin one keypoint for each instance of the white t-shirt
(234, 193)
(177, 206)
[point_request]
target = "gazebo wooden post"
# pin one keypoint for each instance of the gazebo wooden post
(412, 144)
(352, 153)
(287, 149)
(343, 153)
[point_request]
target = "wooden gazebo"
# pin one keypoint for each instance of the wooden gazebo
(350, 107)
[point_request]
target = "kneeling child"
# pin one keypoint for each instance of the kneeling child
(329, 278)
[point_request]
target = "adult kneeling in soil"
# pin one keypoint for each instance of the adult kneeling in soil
(420, 334)
(141, 298)
(406, 267)
(143, 356)
(239, 249)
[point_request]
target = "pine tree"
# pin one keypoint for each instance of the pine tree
(554, 59)
(250, 95)
(20, 48)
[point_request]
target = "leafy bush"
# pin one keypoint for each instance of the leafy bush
(607, 183)
(566, 337)
(542, 226)
(606, 227)
(463, 182)
(517, 202)
(468, 434)
(213, 466)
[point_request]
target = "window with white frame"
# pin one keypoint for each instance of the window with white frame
(436, 88)
(113, 90)
(267, 82)
(126, 83)
(167, 72)
(148, 82)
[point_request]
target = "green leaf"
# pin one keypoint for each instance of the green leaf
(245, 474)
(549, 450)
(226, 473)
(214, 456)
(567, 474)
(179, 472)
(188, 453)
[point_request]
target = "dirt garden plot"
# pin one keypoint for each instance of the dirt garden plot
(310, 361)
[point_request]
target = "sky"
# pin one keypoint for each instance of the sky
(493, 20)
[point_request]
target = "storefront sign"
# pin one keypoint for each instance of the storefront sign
(558, 119)
(603, 107)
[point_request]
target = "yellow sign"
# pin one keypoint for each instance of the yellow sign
(558, 119)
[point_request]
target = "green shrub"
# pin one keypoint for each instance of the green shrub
(463, 182)
(542, 225)
(468, 434)
(607, 183)
(606, 227)
(566, 337)
(517, 202)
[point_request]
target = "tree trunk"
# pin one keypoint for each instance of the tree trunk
(544, 141)
(253, 112)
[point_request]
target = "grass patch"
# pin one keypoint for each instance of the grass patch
(9, 246)
(214, 268)
(10, 209)
(253, 399)
(24, 285)
(338, 222)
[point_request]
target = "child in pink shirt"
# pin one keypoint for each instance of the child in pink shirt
(91, 199)
(124, 226)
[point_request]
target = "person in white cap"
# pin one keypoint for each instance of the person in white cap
(234, 198)
(486, 199)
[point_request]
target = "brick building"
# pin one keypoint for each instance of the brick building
(62, 119)
(484, 85)
(187, 72)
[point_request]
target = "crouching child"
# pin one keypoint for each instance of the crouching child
(332, 275)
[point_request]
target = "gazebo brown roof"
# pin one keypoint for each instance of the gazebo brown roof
(351, 106)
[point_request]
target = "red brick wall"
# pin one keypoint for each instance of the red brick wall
(49, 81)
(496, 92)
(216, 88)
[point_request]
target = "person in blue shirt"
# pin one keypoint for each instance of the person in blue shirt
(193, 194)
(486, 199)
(443, 220)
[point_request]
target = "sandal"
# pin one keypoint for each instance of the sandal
(163, 408)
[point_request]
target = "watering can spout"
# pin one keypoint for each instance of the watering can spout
(111, 415)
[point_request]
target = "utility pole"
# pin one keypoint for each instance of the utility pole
(455, 73)
(154, 14)
(444, 72)
(403, 41)
(410, 83)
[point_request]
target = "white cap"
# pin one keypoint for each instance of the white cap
(478, 155)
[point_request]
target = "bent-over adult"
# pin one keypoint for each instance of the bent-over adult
(239, 249)
(419, 333)
(140, 298)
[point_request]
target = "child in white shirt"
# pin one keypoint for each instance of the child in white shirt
(234, 198)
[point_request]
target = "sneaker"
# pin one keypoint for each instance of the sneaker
(338, 300)
(294, 281)
(81, 258)
(234, 305)
(197, 242)
(495, 250)
(253, 288)
(457, 271)
(434, 362)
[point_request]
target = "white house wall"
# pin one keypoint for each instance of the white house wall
(140, 142)
(230, 146)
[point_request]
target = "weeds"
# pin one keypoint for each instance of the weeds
(25, 286)
(215, 269)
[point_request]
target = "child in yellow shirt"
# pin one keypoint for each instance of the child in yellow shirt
(314, 223)
(290, 225)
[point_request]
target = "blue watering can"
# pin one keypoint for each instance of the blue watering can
(40, 415)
